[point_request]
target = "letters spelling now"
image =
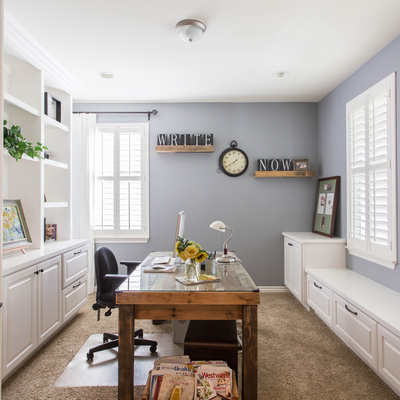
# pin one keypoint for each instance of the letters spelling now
(186, 139)
(275, 164)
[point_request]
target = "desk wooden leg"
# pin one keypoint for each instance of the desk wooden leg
(126, 352)
(250, 352)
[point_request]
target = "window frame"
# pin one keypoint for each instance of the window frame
(366, 249)
(104, 236)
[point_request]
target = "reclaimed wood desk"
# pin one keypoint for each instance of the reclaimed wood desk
(158, 296)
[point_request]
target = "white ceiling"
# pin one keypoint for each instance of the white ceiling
(319, 42)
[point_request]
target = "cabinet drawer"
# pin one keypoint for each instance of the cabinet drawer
(74, 297)
(357, 329)
(389, 357)
(320, 299)
(74, 265)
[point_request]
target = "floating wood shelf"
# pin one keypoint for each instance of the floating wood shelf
(184, 149)
(284, 174)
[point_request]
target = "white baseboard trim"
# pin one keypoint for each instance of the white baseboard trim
(273, 289)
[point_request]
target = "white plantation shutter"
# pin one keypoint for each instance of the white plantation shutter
(121, 188)
(371, 174)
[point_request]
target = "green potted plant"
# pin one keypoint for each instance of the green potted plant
(17, 145)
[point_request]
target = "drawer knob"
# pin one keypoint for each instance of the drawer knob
(348, 309)
(79, 284)
(290, 244)
(78, 252)
(319, 287)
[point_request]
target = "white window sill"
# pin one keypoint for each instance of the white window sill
(385, 262)
(115, 239)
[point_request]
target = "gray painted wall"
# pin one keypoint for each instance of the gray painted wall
(258, 210)
(332, 146)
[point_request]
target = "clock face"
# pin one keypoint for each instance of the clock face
(233, 162)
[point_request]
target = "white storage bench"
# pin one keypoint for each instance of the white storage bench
(363, 313)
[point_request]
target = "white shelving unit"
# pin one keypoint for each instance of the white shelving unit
(44, 288)
(29, 72)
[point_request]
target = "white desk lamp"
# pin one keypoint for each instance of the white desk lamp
(221, 227)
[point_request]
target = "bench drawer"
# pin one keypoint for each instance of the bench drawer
(74, 297)
(320, 299)
(74, 265)
(357, 329)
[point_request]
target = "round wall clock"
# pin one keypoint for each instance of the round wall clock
(233, 161)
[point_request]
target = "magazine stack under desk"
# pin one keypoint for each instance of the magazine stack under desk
(235, 393)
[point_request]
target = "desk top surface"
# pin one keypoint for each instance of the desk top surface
(234, 278)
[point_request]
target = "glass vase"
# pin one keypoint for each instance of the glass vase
(191, 273)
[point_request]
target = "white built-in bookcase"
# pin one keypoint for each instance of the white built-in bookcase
(29, 72)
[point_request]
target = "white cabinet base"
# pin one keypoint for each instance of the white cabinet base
(389, 357)
(365, 317)
(35, 306)
(308, 250)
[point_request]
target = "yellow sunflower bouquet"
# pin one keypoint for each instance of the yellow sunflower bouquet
(190, 252)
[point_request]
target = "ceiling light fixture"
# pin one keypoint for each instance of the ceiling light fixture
(280, 74)
(190, 30)
(106, 75)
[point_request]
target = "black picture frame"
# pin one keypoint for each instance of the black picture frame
(52, 107)
(326, 200)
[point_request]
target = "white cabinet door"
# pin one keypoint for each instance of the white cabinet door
(389, 357)
(49, 298)
(297, 271)
(292, 267)
(320, 299)
(19, 317)
(357, 329)
(288, 264)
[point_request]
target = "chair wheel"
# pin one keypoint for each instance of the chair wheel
(90, 356)
(153, 348)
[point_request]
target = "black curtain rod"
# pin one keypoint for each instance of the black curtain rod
(154, 112)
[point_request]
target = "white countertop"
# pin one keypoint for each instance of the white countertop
(16, 261)
(310, 237)
(378, 301)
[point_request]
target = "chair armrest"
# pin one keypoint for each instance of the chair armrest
(115, 278)
(131, 265)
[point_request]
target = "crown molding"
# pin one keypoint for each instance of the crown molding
(20, 43)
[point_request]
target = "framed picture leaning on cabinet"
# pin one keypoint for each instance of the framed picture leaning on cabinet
(15, 229)
(326, 200)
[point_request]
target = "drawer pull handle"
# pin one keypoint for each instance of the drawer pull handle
(79, 284)
(319, 287)
(78, 252)
(348, 309)
(290, 244)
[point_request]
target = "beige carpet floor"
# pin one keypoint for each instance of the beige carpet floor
(299, 358)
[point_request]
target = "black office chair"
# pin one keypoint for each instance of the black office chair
(107, 281)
